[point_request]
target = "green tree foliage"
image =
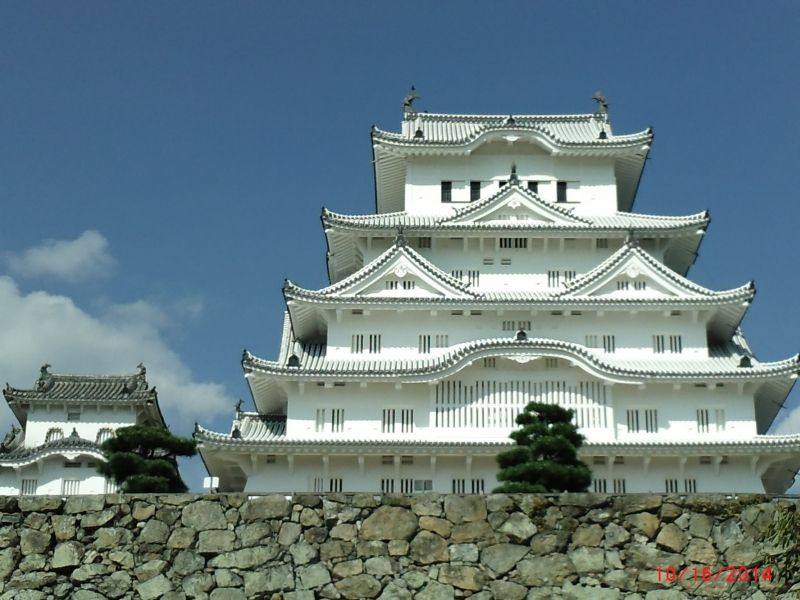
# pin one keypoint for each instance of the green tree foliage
(545, 457)
(143, 459)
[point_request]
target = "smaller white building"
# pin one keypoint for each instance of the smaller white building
(64, 420)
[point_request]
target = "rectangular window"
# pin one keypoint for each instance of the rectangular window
(392, 284)
(387, 486)
(428, 341)
(502, 182)
(447, 191)
(407, 420)
(73, 415)
(477, 486)
(619, 486)
(319, 485)
(651, 420)
(357, 343)
(703, 425)
(533, 186)
(474, 190)
(659, 346)
(561, 191)
(705, 460)
(387, 459)
(599, 486)
(337, 420)
(719, 417)
(271, 459)
(598, 460)
(70, 487)
(517, 243)
(601, 243)
(609, 344)
(675, 344)
(335, 484)
(489, 363)
(459, 485)
(457, 274)
(406, 460)
(550, 363)
(424, 242)
(671, 486)
(509, 326)
(423, 485)
(640, 285)
(619, 460)
(569, 276)
(690, 486)
(319, 425)
(389, 420)
(591, 341)
(29, 487)
(505, 262)
(623, 286)
(474, 278)
(72, 464)
(406, 486)
(526, 325)
(374, 343)
(633, 421)
(553, 279)
(488, 261)
(409, 284)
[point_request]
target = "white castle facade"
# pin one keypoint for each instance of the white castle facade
(64, 420)
(504, 266)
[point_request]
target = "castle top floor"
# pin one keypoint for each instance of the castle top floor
(438, 161)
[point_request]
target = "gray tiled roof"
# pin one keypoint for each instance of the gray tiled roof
(720, 364)
(560, 130)
(71, 444)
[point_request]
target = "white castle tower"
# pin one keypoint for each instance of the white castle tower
(504, 266)
(64, 420)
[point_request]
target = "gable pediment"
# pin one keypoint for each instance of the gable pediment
(514, 204)
(631, 273)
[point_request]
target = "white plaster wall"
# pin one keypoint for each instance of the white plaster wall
(400, 331)
(93, 418)
(50, 474)
(529, 266)
(735, 477)
(592, 185)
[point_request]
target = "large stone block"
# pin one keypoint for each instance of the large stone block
(518, 527)
(203, 515)
(464, 577)
(67, 554)
(427, 548)
(465, 509)
(546, 570)
(274, 506)
(389, 523)
(501, 558)
(359, 586)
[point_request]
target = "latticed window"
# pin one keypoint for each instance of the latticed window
(477, 486)
(406, 486)
(690, 486)
(459, 485)
(671, 486)
(447, 191)
(29, 487)
(70, 487)
(619, 486)
(335, 484)
(104, 434)
(474, 190)
(387, 486)
(599, 486)
(337, 420)
(54, 433)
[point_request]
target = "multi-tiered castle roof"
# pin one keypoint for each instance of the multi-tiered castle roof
(503, 265)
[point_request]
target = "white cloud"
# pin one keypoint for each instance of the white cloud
(41, 327)
(85, 257)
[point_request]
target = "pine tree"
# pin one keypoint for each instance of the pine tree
(545, 458)
(143, 459)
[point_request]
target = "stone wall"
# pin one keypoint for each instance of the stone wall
(427, 547)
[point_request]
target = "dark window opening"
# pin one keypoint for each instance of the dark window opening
(447, 191)
(533, 186)
(474, 190)
(561, 191)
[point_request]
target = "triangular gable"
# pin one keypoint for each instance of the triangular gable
(514, 203)
(399, 272)
(633, 273)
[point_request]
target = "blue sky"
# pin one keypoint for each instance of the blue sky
(163, 165)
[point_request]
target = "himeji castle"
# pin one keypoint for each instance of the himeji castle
(64, 420)
(503, 265)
